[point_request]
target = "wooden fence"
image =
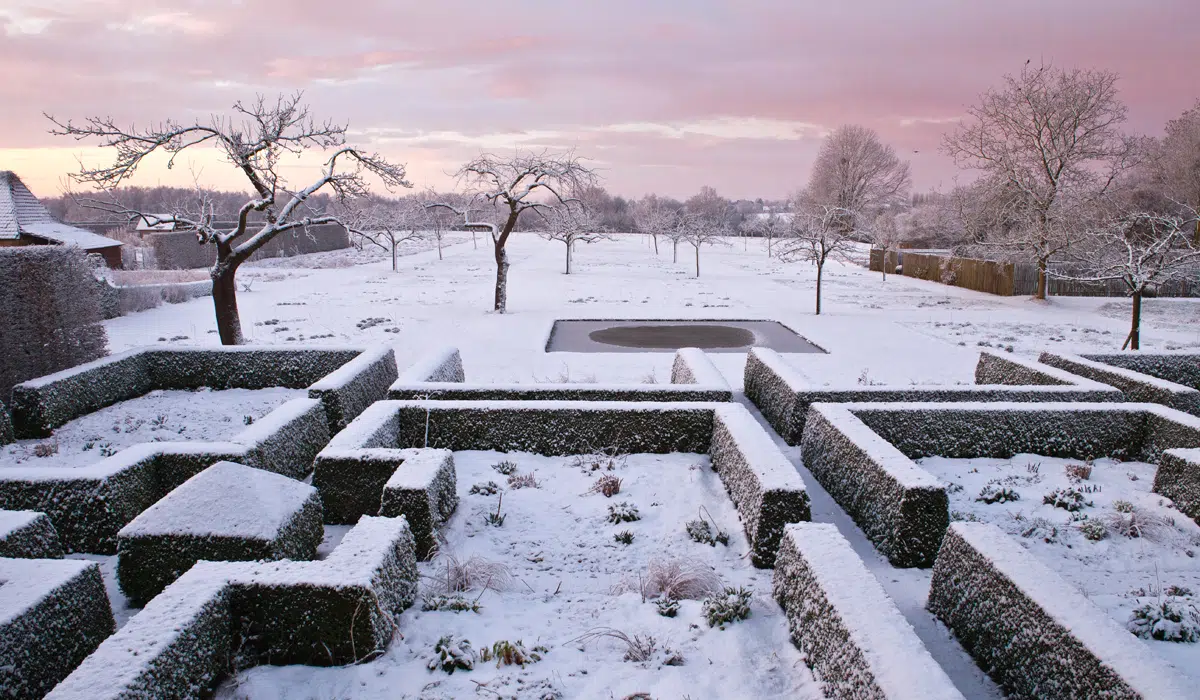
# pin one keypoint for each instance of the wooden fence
(1009, 279)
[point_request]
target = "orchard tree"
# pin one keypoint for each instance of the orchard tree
(857, 173)
(1141, 250)
(253, 140)
(773, 226)
(569, 223)
(886, 236)
(1051, 140)
(654, 216)
(513, 185)
(698, 229)
(386, 223)
(818, 234)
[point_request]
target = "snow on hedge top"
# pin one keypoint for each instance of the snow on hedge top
(543, 406)
(24, 582)
(12, 520)
(419, 469)
(703, 371)
(790, 376)
(897, 658)
(350, 371)
(773, 469)
(225, 500)
(902, 469)
(1171, 414)
(1108, 641)
(441, 365)
(1129, 375)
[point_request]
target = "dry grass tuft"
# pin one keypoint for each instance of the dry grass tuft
(680, 579)
(454, 575)
(523, 481)
(608, 485)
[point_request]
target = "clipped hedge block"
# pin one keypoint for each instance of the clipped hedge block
(6, 429)
(784, 396)
(1179, 367)
(761, 481)
(1135, 385)
(25, 534)
(348, 390)
(89, 505)
(439, 376)
(852, 636)
(228, 512)
(229, 615)
(53, 613)
(1031, 631)
(423, 489)
(1178, 478)
(41, 405)
(862, 454)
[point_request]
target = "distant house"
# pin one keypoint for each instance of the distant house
(24, 221)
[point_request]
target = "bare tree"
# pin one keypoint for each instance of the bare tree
(1176, 162)
(1051, 140)
(253, 140)
(773, 226)
(856, 173)
(818, 234)
(1142, 250)
(387, 223)
(886, 235)
(654, 217)
(698, 229)
(513, 184)
(571, 222)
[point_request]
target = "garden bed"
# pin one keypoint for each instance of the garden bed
(1107, 534)
(158, 416)
(554, 571)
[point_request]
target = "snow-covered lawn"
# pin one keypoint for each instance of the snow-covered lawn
(1121, 545)
(158, 416)
(553, 572)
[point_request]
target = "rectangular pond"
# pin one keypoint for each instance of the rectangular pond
(669, 336)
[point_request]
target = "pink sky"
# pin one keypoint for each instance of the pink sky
(662, 96)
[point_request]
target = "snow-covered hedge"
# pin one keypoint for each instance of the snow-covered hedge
(1031, 631)
(783, 395)
(852, 636)
(353, 471)
(1136, 386)
(25, 534)
(440, 376)
(1181, 367)
(89, 505)
(862, 454)
(6, 429)
(1178, 478)
(42, 404)
(424, 489)
(229, 615)
(50, 317)
(53, 613)
(228, 512)
(761, 481)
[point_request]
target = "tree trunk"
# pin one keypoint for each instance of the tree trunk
(1135, 329)
(768, 246)
(229, 324)
(675, 251)
(820, 268)
(474, 243)
(393, 257)
(501, 279)
(568, 257)
(1041, 283)
(439, 242)
(697, 259)
(654, 236)
(1196, 236)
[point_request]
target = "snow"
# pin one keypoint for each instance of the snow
(1108, 572)
(12, 520)
(569, 577)
(158, 416)
(225, 500)
(25, 582)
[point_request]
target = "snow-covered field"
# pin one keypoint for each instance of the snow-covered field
(1106, 534)
(159, 416)
(554, 571)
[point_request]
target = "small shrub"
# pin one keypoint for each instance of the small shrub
(1123, 506)
(667, 607)
(506, 467)
(508, 653)
(247, 420)
(45, 449)
(727, 608)
(1069, 499)
(523, 481)
(624, 537)
(607, 485)
(700, 531)
(452, 654)
(1079, 472)
(993, 492)
(496, 519)
(1042, 529)
(455, 603)
(637, 648)
(1177, 591)
(1167, 620)
(490, 488)
(623, 512)
(107, 450)
(1093, 529)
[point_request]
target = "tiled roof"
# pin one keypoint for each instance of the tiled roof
(22, 213)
